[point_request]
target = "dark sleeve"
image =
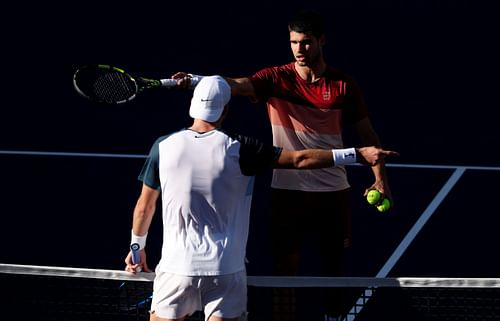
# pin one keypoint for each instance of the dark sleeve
(263, 82)
(255, 156)
(150, 171)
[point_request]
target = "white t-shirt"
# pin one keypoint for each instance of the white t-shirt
(206, 180)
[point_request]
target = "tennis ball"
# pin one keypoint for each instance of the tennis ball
(373, 196)
(384, 206)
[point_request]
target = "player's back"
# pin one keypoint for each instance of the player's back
(206, 203)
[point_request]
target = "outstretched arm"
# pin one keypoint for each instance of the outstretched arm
(239, 86)
(320, 158)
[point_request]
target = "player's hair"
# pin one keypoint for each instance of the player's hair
(307, 21)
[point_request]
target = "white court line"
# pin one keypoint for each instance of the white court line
(109, 155)
(394, 258)
(421, 222)
(484, 168)
(41, 153)
(423, 166)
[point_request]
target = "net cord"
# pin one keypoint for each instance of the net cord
(265, 281)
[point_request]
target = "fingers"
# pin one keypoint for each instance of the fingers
(139, 267)
(183, 79)
(179, 75)
(381, 155)
(389, 153)
(129, 266)
(372, 155)
(133, 268)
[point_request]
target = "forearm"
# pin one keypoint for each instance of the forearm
(314, 158)
(379, 171)
(144, 210)
(141, 221)
(143, 215)
(305, 159)
(241, 86)
(320, 158)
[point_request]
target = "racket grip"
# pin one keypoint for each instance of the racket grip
(168, 82)
(136, 258)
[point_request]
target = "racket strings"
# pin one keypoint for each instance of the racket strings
(113, 87)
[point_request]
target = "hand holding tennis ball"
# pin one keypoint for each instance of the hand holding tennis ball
(373, 197)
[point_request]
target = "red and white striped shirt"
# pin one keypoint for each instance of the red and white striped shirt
(309, 115)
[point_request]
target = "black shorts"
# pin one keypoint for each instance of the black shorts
(310, 231)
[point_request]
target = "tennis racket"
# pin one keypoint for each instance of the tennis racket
(111, 85)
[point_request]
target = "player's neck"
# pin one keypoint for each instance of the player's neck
(311, 73)
(202, 126)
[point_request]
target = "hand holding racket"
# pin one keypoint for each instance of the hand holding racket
(111, 85)
(136, 256)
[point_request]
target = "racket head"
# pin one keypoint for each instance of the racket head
(105, 84)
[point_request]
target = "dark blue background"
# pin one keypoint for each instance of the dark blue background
(428, 69)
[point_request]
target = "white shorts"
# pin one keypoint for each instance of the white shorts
(176, 296)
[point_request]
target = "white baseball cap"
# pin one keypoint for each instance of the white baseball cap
(209, 98)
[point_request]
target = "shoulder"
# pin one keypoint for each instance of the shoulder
(170, 135)
(239, 138)
(164, 138)
(275, 71)
(255, 156)
(252, 146)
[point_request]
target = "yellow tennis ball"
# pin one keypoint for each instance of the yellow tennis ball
(373, 196)
(384, 206)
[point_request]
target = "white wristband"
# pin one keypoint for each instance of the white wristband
(141, 240)
(344, 156)
(195, 79)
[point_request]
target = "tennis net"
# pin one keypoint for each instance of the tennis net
(63, 293)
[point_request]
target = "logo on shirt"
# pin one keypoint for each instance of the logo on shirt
(327, 95)
(349, 155)
(206, 100)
